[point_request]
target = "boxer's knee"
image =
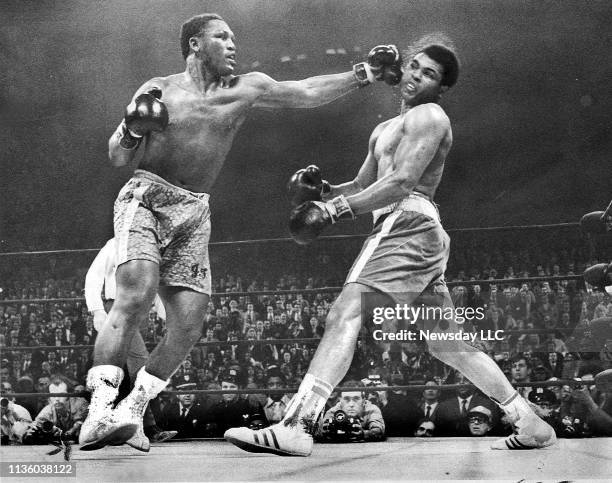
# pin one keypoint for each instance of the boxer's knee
(187, 332)
(137, 283)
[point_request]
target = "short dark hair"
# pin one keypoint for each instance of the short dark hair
(194, 26)
(440, 48)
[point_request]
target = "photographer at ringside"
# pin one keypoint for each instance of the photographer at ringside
(15, 419)
(61, 419)
(352, 419)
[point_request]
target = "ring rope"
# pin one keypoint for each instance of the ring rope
(495, 281)
(301, 340)
(259, 241)
(261, 390)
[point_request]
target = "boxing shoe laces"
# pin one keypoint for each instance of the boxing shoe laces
(139, 441)
(277, 439)
(531, 433)
(96, 434)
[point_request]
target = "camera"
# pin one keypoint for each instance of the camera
(341, 427)
(4, 402)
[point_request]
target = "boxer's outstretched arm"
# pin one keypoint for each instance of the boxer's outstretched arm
(424, 130)
(311, 92)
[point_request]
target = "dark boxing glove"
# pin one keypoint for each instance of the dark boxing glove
(308, 220)
(599, 275)
(144, 114)
(307, 185)
(384, 63)
(595, 222)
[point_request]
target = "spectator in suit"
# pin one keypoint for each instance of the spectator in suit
(232, 410)
(399, 411)
(430, 401)
(185, 417)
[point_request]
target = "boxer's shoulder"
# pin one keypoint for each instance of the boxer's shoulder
(428, 113)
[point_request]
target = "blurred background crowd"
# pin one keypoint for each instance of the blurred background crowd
(240, 351)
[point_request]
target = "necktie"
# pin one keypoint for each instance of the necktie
(463, 407)
(428, 412)
(183, 413)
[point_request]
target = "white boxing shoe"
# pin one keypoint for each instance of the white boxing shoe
(139, 441)
(96, 434)
(532, 433)
(277, 439)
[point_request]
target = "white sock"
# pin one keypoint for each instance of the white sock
(146, 387)
(515, 407)
(307, 404)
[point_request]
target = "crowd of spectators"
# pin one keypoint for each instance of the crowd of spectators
(234, 354)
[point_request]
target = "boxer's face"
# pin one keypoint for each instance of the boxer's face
(421, 80)
(218, 50)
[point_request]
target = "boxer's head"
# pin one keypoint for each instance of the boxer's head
(431, 67)
(210, 39)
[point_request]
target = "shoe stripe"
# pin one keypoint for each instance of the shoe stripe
(256, 437)
(520, 445)
(266, 442)
(274, 439)
(513, 443)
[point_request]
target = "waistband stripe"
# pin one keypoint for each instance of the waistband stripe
(142, 174)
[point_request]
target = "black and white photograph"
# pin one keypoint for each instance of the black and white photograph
(306, 240)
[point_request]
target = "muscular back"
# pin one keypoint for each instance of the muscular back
(392, 132)
(192, 149)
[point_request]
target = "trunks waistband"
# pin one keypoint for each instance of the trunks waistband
(142, 174)
(417, 202)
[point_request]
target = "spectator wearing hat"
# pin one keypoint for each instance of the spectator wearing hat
(480, 421)
(400, 412)
(233, 410)
(185, 417)
(453, 412)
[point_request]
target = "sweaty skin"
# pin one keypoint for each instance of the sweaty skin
(207, 104)
(405, 153)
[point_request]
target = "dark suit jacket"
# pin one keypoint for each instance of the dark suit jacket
(190, 426)
(400, 414)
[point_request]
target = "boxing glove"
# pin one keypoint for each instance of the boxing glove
(144, 114)
(307, 185)
(309, 219)
(384, 63)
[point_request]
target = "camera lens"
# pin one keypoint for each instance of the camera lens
(47, 426)
(4, 402)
